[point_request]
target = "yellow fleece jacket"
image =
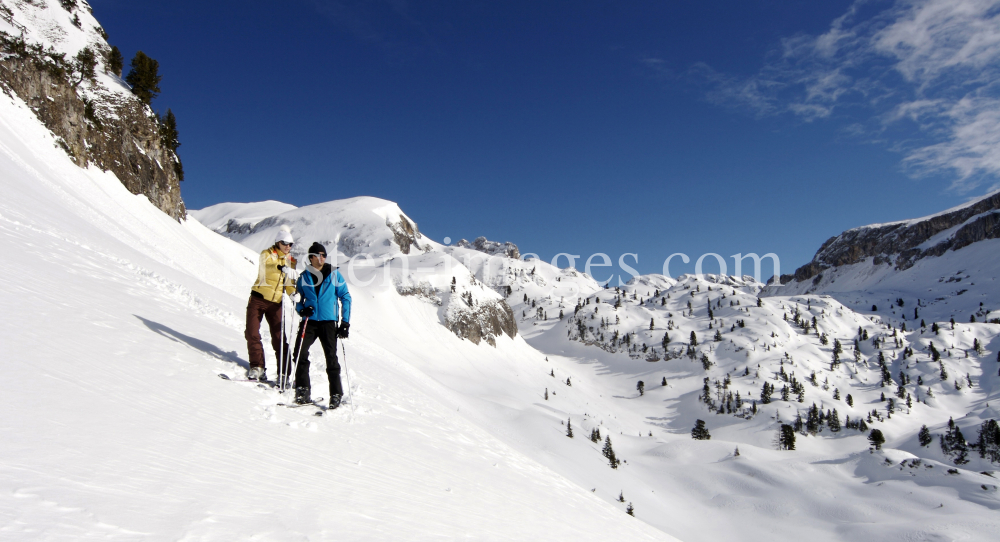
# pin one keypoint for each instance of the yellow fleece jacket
(268, 275)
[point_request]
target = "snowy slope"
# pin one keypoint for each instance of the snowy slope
(830, 488)
(116, 426)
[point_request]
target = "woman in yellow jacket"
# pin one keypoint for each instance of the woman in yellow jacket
(276, 275)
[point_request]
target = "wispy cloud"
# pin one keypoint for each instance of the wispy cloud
(933, 63)
(387, 24)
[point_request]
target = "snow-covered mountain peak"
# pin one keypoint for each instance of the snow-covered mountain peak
(975, 203)
(364, 225)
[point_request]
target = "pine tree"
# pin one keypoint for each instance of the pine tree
(84, 64)
(924, 436)
(876, 439)
(694, 339)
(641, 386)
(833, 420)
(621, 496)
(595, 435)
(630, 510)
(699, 432)
(813, 420)
(144, 77)
(609, 453)
(168, 131)
(705, 362)
(786, 437)
(546, 394)
(765, 393)
(988, 443)
(664, 383)
(651, 324)
(953, 443)
(569, 428)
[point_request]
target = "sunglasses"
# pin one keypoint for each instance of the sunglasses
(285, 244)
(319, 255)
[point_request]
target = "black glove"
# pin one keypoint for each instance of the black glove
(281, 268)
(344, 330)
(307, 312)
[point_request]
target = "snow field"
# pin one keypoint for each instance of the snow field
(117, 427)
(827, 488)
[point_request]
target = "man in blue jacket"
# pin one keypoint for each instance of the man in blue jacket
(323, 291)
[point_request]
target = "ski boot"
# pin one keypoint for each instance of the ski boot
(256, 373)
(334, 402)
(302, 396)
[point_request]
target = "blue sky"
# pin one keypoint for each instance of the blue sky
(586, 126)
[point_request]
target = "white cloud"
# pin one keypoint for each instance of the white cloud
(933, 62)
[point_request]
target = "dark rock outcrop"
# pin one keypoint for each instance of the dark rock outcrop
(116, 133)
(492, 248)
(405, 234)
(484, 322)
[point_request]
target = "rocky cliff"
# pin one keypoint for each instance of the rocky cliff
(902, 244)
(96, 120)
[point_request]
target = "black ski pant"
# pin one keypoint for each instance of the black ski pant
(326, 332)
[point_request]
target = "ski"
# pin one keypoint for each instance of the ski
(315, 402)
(261, 383)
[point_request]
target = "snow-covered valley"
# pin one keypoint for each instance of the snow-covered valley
(468, 370)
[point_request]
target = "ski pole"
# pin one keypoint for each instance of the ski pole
(298, 353)
(281, 347)
(347, 374)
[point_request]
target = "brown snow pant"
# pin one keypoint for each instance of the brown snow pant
(258, 308)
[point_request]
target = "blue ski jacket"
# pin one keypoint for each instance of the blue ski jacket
(332, 293)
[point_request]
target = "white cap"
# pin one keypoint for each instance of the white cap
(284, 235)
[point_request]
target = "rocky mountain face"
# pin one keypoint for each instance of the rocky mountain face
(493, 248)
(95, 120)
(902, 244)
(484, 321)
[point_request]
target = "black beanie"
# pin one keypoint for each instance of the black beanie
(317, 248)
